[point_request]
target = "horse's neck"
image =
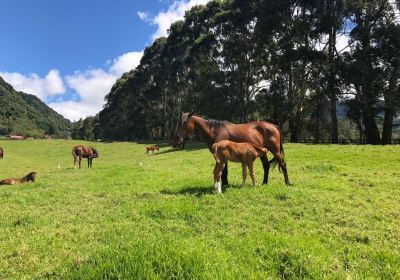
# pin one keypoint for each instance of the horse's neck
(204, 130)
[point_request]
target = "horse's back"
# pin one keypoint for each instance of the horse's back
(80, 150)
(257, 133)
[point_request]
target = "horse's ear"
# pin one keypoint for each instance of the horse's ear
(190, 115)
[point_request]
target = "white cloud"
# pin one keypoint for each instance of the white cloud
(74, 110)
(50, 85)
(174, 13)
(143, 15)
(93, 85)
(342, 44)
(126, 62)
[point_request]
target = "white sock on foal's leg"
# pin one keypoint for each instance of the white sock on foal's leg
(217, 187)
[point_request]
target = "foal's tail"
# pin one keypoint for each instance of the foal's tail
(214, 148)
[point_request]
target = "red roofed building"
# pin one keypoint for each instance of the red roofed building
(16, 137)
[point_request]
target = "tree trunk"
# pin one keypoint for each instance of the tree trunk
(331, 79)
(388, 126)
(292, 116)
(317, 129)
(372, 135)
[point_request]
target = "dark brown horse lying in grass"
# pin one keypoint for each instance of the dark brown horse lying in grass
(260, 134)
(28, 178)
(244, 153)
(79, 152)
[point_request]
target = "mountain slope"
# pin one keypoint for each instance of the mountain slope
(27, 115)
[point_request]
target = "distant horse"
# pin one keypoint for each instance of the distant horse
(238, 152)
(79, 152)
(152, 148)
(28, 178)
(175, 145)
(260, 134)
(1, 153)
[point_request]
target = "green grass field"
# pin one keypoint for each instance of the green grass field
(134, 216)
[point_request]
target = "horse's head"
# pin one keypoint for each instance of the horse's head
(185, 127)
(31, 176)
(95, 153)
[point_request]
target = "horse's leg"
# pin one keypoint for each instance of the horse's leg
(251, 170)
(218, 172)
(216, 177)
(80, 159)
(282, 165)
(244, 173)
(266, 167)
(225, 175)
(285, 173)
(75, 162)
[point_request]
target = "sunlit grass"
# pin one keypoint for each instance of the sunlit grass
(134, 216)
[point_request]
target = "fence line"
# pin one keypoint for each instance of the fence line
(342, 141)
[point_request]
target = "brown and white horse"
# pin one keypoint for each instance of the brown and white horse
(79, 152)
(260, 134)
(244, 153)
(28, 178)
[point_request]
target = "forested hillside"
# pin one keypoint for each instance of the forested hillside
(27, 115)
(288, 62)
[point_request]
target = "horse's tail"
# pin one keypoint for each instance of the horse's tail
(273, 161)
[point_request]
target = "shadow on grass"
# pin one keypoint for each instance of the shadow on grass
(189, 146)
(198, 191)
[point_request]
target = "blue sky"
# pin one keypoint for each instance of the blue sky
(70, 52)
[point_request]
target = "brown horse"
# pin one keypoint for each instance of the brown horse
(260, 134)
(1, 153)
(79, 152)
(175, 145)
(244, 153)
(152, 148)
(28, 178)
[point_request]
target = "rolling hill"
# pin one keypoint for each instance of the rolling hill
(25, 114)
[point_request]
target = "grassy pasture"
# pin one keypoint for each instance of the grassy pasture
(134, 216)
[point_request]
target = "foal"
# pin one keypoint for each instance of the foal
(11, 181)
(152, 148)
(1, 153)
(245, 153)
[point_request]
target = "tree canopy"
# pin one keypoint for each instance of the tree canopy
(270, 60)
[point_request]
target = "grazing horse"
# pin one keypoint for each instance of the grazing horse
(245, 153)
(79, 152)
(11, 181)
(152, 148)
(1, 153)
(260, 134)
(175, 145)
